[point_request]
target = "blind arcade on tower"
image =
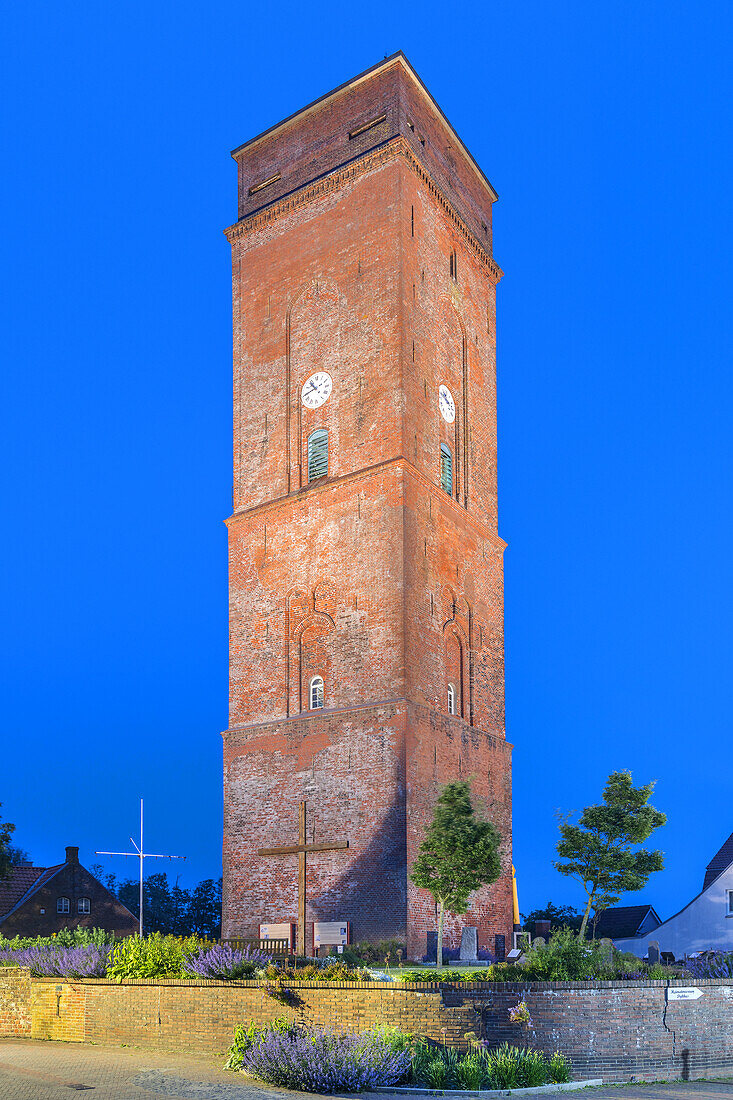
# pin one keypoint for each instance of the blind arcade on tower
(365, 566)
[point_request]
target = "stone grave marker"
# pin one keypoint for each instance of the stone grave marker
(500, 947)
(469, 945)
(653, 952)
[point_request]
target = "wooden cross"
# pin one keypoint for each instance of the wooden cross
(302, 848)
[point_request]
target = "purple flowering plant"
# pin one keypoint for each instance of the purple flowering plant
(60, 962)
(227, 963)
(325, 1061)
(713, 964)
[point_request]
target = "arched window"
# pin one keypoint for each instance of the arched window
(83, 905)
(317, 454)
(451, 699)
(316, 693)
(446, 469)
(62, 905)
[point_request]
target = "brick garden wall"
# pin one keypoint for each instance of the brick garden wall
(15, 1003)
(617, 1031)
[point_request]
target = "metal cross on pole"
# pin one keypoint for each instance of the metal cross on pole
(301, 849)
(142, 855)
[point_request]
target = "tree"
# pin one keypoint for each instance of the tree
(458, 855)
(6, 851)
(559, 916)
(599, 850)
(204, 911)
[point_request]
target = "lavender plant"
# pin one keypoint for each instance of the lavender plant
(60, 962)
(227, 963)
(714, 964)
(324, 1061)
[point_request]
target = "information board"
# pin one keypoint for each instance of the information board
(279, 932)
(331, 932)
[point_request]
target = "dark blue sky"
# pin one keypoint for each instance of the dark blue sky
(606, 130)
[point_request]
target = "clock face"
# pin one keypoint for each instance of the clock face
(317, 390)
(446, 404)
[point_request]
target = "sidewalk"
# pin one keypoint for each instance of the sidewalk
(36, 1070)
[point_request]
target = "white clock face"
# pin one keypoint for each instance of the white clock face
(317, 390)
(446, 404)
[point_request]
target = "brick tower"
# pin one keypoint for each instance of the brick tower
(366, 585)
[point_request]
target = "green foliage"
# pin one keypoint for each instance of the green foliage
(384, 953)
(333, 971)
(6, 860)
(441, 1067)
(245, 1037)
(171, 909)
(154, 956)
(599, 850)
(559, 916)
(65, 937)
(458, 855)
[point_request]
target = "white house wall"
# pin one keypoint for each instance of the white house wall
(701, 926)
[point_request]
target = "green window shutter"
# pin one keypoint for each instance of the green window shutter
(317, 454)
(446, 469)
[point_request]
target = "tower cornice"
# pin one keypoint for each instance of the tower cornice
(322, 487)
(360, 166)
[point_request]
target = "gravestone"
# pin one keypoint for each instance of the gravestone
(542, 928)
(653, 952)
(432, 947)
(607, 950)
(469, 945)
(538, 941)
(500, 947)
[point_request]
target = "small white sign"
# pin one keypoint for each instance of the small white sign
(684, 993)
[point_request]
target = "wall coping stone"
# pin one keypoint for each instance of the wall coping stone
(499, 987)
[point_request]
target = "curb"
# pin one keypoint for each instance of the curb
(535, 1090)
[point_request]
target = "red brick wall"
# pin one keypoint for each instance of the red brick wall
(374, 577)
(618, 1031)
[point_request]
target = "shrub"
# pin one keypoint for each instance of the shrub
(65, 937)
(89, 961)
(714, 964)
(506, 1067)
(320, 1060)
(244, 1038)
(225, 962)
(154, 956)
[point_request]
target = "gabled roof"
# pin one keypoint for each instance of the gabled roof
(622, 922)
(720, 862)
(22, 884)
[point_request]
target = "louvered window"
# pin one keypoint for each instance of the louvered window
(317, 454)
(316, 693)
(451, 699)
(446, 469)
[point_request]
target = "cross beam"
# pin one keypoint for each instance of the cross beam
(302, 849)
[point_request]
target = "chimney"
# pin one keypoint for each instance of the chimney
(72, 854)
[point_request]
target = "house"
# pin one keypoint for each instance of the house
(625, 921)
(704, 924)
(38, 901)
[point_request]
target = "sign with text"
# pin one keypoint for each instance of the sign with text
(331, 932)
(683, 993)
(279, 932)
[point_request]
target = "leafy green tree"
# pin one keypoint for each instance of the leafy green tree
(6, 850)
(204, 913)
(458, 855)
(600, 851)
(559, 916)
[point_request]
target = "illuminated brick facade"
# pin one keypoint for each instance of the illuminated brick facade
(366, 255)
